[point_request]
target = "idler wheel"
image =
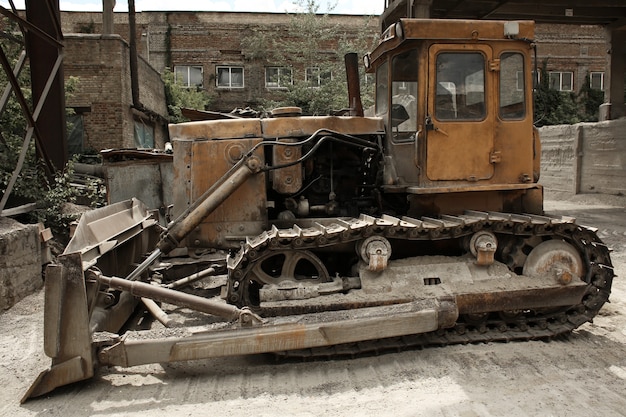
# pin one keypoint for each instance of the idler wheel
(554, 257)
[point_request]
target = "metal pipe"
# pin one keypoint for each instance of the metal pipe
(191, 278)
(144, 265)
(354, 87)
(156, 311)
(153, 292)
(89, 169)
(132, 43)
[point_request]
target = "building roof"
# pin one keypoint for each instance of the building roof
(598, 12)
(608, 13)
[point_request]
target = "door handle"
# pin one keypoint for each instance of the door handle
(431, 126)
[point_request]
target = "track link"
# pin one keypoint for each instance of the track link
(494, 327)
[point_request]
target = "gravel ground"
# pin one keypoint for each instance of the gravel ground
(581, 375)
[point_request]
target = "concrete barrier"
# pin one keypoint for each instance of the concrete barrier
(20, 261)
(585, 157)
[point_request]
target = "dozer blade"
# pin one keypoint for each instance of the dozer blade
(113, 238)
(67, 339)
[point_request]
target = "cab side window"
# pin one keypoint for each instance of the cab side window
(512, 86)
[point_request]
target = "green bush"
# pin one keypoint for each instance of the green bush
(554, 107)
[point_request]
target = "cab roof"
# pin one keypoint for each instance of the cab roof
(450, 30)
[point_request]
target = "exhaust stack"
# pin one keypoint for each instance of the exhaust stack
(354, 86)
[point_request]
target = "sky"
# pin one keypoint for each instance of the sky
(368, 7)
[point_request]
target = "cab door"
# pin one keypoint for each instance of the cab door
(460, 118)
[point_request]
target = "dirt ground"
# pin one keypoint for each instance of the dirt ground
(581, 375)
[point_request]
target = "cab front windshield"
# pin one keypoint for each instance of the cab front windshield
(401, 115)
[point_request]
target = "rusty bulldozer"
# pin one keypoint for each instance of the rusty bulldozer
(319, 236)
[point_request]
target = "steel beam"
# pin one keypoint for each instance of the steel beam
(43, 56)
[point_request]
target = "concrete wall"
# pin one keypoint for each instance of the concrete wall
(20, 261)
(584, 158)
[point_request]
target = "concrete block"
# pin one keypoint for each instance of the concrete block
(20, 261)
(603, 167)
(558, 157)
(585, 157)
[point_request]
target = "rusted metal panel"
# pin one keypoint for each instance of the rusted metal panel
(216, 129)
(284, 127)
(461, 29)
(286, 180)
(152, 174)
(197, 166)
(521, 299)
(314, 330)
(436, 201)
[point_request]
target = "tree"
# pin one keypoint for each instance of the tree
(590, 100)
(313, 47)
(32, 184)
(13, 123)
(177, 96)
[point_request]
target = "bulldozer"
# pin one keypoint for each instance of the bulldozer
(322, 236)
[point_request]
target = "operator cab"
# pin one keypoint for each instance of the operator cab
(456, 97)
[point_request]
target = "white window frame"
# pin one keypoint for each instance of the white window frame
(560, 75)
(536, 78)
(284, 80)
(314, 77)
(601, 74)
(519, 80)
(186, 78)
(230, 69)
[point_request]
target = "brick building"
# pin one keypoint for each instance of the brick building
(104, 113)
(573, 52)
(208, 50)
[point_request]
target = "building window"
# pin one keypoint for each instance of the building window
(519, 81)
(562, 81)
(75, 133)
(316, 78)
(278, 77)
(596, 80)
(230, 77)
(536, 77)
(144, 134)
(189, 75)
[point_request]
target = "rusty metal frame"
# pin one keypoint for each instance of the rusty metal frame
(50, 80)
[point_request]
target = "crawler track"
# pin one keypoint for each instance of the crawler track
(522, 230)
